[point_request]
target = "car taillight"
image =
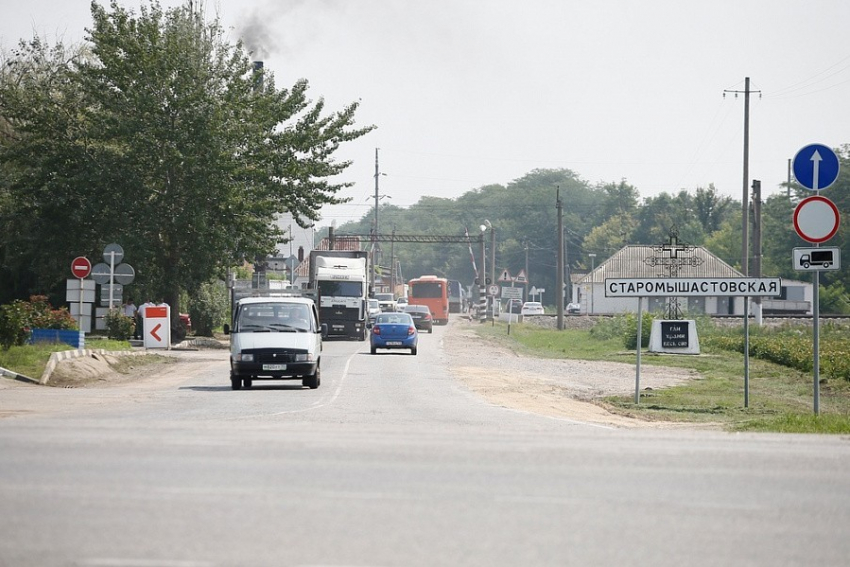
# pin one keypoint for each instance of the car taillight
(376, 330)
(411, 330)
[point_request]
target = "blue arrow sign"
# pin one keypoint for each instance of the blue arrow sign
(816, 167)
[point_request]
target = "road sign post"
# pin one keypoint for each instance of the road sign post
(816, 220)
(80, 269)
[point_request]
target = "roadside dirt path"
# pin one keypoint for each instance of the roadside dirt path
(567, 389)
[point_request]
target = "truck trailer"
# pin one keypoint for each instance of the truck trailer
(338, 281)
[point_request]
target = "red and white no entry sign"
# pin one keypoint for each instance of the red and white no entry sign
(81, 267)
(816, 219)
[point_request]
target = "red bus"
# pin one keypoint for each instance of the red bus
(433, 292)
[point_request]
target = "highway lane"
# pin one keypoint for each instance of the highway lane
(392, 462)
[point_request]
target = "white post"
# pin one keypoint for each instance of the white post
(80, 312)
(111, 277)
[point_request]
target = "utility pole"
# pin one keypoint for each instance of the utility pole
(493, 270)
(375, 227)
(559, 283)
(745, 220)
(482, 281)
(392, 263)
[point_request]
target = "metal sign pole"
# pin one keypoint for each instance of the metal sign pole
(746, 351)
(639, 341)
(816, 340)
(80, 312)
(111, 277)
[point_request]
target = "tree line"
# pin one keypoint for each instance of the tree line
(599, 219)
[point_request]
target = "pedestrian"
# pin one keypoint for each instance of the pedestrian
(129, 310)
(140, 317)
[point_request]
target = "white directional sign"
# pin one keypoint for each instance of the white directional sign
(157, 327)
(681, 287)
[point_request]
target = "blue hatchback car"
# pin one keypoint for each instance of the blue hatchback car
(394, 330)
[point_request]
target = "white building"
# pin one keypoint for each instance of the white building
(671, 261)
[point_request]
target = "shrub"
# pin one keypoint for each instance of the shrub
(630, 330)
(18, 317)
(42, 315)
(792, 348)
(13, 324)
(209, 308)
(609, 328)
(119, 327)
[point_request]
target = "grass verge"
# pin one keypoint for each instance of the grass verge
(780, 399)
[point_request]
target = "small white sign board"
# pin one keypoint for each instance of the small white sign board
(157, 327)
(511, 293)
(813, 259)
(84, 320)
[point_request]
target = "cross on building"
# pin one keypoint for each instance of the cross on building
(672, 245)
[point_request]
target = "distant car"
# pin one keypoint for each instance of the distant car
(573, 307)
(514, 306)
(393, 331)
(186, 321)
(400, 303)
(421, 316)
(373, 310)
(531, 308)
(386, 301)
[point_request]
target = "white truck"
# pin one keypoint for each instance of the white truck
(338, 280)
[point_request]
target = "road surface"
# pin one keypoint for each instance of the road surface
(391, 462)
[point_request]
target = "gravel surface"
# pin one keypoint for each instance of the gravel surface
(567, 389)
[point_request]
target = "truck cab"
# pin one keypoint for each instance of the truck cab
(275, 338)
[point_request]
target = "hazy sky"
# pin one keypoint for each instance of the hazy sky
(467, 93)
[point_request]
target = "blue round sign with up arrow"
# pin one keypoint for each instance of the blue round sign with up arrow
(816, 167)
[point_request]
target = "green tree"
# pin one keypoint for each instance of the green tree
(163, 137)
(725, 243)
(609, 237)
(710, 208)
(660, 214)
(620, 198)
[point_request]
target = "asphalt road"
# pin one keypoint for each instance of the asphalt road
(391, 462)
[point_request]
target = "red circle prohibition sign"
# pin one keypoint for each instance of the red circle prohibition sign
(81, 267)
(816, 219)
